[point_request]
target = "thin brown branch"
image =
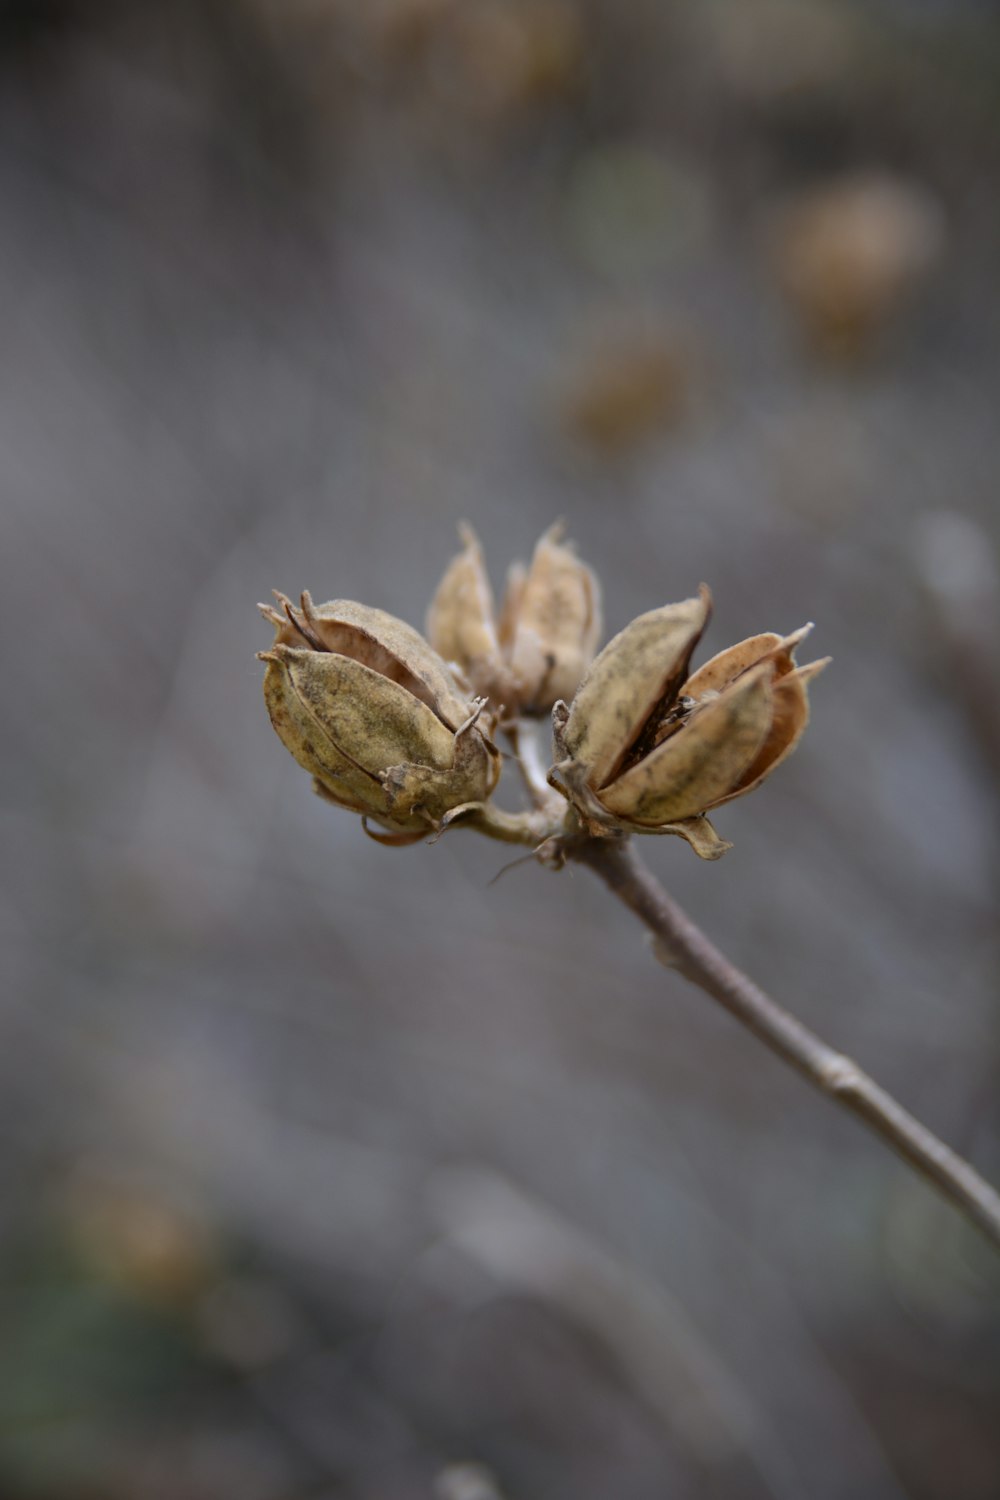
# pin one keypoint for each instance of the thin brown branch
(530, 828)
(686, 948)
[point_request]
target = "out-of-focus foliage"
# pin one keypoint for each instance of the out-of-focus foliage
(330, 1170)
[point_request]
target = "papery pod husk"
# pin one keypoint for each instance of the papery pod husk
(727, 665)
(470, 778)
(377, 729)
(791, 703)
(720, 670)
(461, 624)
(556, 624)
(303, 732)
(517, 578)
(380, 641)
(703, 761)
(372, 720)
(642, 666)
(413, 788)
(788, 723)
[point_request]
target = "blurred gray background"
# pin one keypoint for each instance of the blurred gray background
(332, 1170)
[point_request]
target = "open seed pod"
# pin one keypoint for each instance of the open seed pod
(649, 748)
(372, 712)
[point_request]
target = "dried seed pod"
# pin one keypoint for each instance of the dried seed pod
(548, 628)
(370, 710)
(556, 621)
(649, 749)
(461, 625)
(692, 768)
(637, 673)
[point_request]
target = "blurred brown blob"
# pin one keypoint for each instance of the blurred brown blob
(487, 59)
(493, 57)
(403, 29)
(627, 388)
(851, 254)
(140, 1242)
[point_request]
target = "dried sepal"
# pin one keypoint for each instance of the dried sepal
(392, 840)
(699, 833)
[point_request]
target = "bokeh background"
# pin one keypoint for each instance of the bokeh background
(331, 1170)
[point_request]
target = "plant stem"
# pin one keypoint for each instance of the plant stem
(525, 828)
(685, 947)
(533, 766)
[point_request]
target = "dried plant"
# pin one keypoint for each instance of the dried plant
(400, 729)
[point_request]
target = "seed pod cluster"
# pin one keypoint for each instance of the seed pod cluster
(384, 722)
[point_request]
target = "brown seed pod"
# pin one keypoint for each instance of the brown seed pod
(649, 749)
(548, 627)
(371, 711)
